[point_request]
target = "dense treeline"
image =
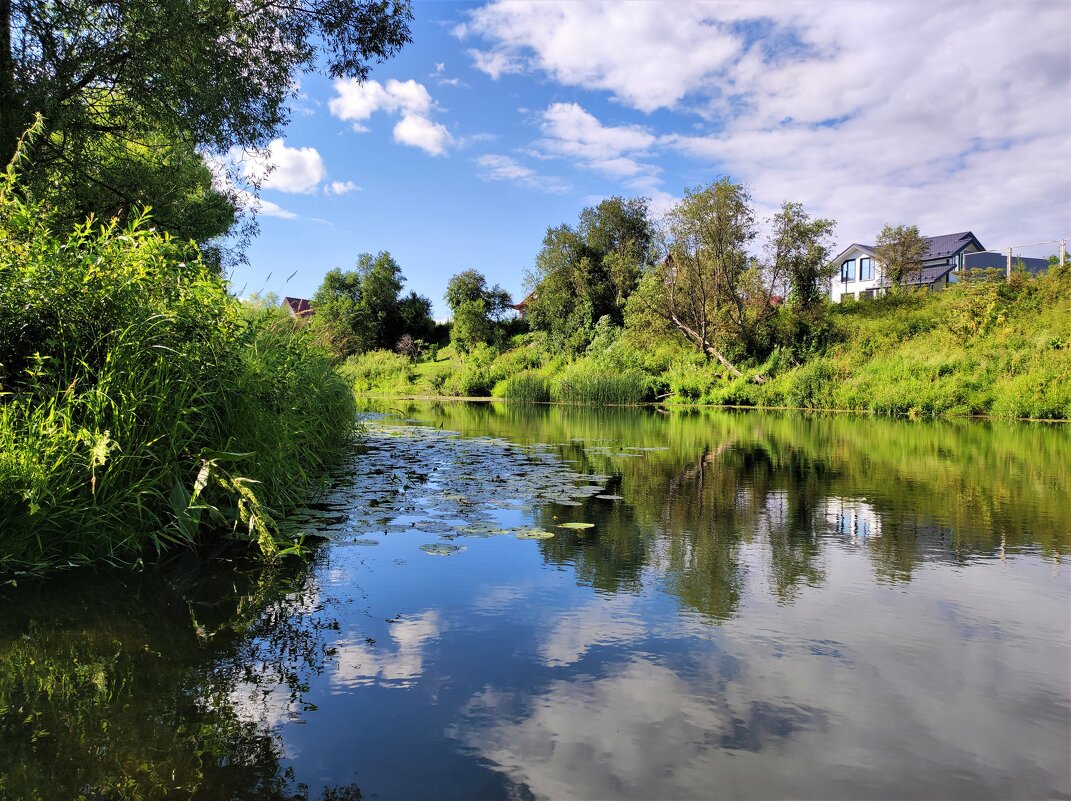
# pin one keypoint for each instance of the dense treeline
(694, 308)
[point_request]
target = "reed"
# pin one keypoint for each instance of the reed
(140, 406)
(583, 384)
(527, 387)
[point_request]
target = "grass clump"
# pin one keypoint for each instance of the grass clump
(529, 386)
(584, 383)
(140, 405)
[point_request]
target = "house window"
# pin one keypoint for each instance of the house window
(847, 270)
(866, 269)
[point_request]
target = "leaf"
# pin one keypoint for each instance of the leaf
(576, 526)
(534, 534)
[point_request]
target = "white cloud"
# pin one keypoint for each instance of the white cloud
(504, 168)
(417, 131)
(571, 132)
(266, 208)
(355, 102)
(225, 174)
(341, 188)
(288, 169)
(645, 53)
(951, 116)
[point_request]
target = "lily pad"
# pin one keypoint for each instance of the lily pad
(441, 549)
(363, 541)
(576, 526)
(534, 534)
(611, 497)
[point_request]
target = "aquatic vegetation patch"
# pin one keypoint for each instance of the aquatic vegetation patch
(416, 478)
(576, 526)
(534, 534)
(441, 548)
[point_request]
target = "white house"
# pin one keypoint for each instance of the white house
(859, 271)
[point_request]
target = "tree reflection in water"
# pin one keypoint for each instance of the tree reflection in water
(137, 686)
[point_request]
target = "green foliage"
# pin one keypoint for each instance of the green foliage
(469, 286)
(379, 372)
(360, 310)
(900, 250)
(120, 82)
(527, 387)
(586, 273)
(583, 382)
(141, 403)
(471, 326)
(476, 375)
(800, 252)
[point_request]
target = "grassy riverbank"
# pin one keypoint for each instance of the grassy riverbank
(979, 348)
(141, 405)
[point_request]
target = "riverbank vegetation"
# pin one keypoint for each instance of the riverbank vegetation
(140, 403)
(694, 309)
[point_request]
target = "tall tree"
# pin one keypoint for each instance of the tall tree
(359, 310)
(799, 251)
(585, 273)
(708, 287)
(900, 250)
(470, 285)
(208, 75)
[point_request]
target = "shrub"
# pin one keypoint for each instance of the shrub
(141, 407)
(379, 371)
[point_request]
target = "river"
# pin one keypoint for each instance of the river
(556, 602)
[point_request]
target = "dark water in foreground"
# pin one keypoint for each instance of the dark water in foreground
(765, 607)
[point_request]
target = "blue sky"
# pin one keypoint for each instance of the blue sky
(502, 119)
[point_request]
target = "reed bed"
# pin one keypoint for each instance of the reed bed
(141, 406)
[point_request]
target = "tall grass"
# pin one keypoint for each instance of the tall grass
(140, 406)
(585, 384)
(529, 386)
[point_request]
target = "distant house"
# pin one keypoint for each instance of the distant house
(859, 272)
(298, 307)
(522, 307)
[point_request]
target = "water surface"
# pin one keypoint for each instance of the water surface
(765, 606)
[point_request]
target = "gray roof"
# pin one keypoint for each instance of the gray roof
(928, 275)
(941, 247)
(981, 261)
(949, 244)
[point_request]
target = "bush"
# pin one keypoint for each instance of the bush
(141, 407)
(379, 371)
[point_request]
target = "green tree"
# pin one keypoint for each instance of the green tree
(708, 287)
(900, 250)
(470, 285)
(476, 309)
(585, 273)
(359, 310)
(799, 251)
(205, 75)
(471, 325)
(113, 177)
(414, 312)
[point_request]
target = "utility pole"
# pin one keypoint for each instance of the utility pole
(1063, 252)
(1008, 271)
